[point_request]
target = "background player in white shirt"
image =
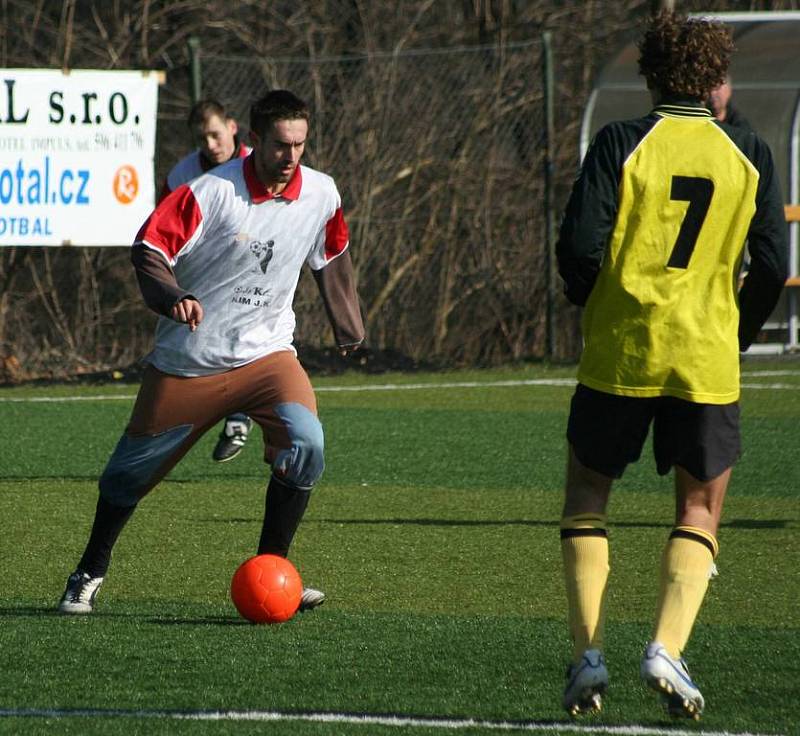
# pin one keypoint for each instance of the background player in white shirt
(218, 260)
(215, 133)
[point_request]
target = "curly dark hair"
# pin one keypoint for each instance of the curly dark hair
(685, 57)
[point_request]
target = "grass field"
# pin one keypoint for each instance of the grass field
(434, 532)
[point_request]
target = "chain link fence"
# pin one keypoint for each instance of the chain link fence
(439, 158)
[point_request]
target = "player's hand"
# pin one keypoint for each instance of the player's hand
(188, 311)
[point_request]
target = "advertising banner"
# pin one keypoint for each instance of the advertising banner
(76, 155)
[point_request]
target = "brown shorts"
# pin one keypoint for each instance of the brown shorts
(165, 401)
(172, 412)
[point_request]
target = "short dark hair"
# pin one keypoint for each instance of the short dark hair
(685, 57)
(279, 104)
(202, 110)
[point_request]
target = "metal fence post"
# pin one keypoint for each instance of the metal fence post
(549, 214)
(195, 76)
(656, 6)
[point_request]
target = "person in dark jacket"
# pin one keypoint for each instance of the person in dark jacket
(724, 110)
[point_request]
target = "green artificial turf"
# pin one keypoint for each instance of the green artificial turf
(434, 533)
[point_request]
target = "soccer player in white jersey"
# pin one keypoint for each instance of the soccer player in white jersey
(215, 134)
(219, 260)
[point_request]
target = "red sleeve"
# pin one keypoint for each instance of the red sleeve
(336, 235)
(173, 223)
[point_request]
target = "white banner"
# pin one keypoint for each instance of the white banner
(76, 155)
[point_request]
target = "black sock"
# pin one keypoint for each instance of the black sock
(283, 510)
(109, 521)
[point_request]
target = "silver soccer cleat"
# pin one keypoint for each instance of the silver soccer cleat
(311, 599)
(587, 681)
(670, 678)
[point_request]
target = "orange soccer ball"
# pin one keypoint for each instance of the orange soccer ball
(266, 589)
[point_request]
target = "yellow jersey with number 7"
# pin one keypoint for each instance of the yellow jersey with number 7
(662, 314)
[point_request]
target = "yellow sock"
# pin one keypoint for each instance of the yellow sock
(584, 548)
(685, 570)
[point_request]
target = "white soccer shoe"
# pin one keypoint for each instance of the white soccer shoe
(80, 593)
(670, 678)
(586, 683)
(310, 599)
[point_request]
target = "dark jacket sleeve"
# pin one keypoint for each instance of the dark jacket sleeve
(165, 190)
(590, 215)
(156, 280)
(337, 286)
(768, 244)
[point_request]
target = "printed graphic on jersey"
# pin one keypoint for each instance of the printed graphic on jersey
(263, 252)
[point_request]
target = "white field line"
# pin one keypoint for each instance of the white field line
(777, 386)
(62, 399)
(771, 373)
(397, 387)
(400, 721)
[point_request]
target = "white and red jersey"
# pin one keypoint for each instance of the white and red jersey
(237, 249)
(193, 165)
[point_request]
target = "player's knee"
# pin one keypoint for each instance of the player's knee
(302, 463)
(135, 462)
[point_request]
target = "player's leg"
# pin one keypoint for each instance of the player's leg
(295, 470)
(584, 552)
(702, 441)
(281, 400)
(605, 433)
(235, 431)
(170, 414)
(688, 559)
(584, 547)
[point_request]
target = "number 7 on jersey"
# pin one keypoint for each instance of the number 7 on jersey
(698, 192)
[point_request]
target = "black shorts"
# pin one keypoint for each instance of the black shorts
(607, 432)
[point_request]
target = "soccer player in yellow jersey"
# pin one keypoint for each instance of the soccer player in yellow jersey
(651, 245)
